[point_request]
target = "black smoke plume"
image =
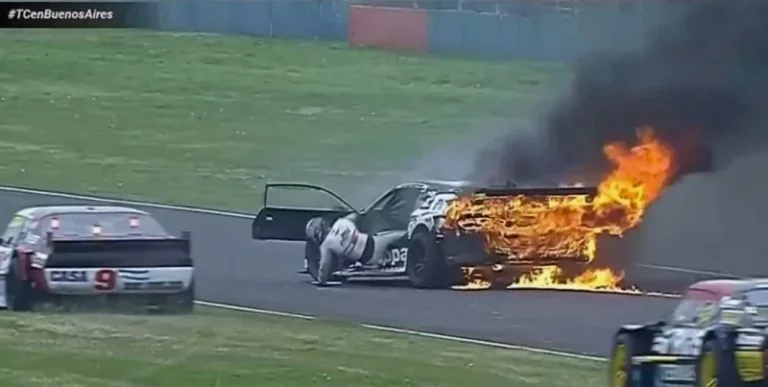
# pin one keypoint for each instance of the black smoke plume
(701, 82)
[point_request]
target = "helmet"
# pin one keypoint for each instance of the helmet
(317, 229)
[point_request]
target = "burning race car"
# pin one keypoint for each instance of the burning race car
(111, 256)
(715, 337)
(446, 228)
(458, 234)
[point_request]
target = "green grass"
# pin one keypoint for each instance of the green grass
(207, 120)
(223, 349)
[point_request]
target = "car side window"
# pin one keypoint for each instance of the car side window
(403, 203)
(698, 308)
(392, 211)
(706, 313)
(383, 202)
(14, 230)
(685, 313)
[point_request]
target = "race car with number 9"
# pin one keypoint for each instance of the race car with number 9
(115, 257)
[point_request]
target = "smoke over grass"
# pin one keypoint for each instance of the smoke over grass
(701, 83)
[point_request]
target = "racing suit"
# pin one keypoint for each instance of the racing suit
(346, 242)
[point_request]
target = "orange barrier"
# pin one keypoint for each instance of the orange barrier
(396, 28)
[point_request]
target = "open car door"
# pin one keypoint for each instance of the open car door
(289, 206)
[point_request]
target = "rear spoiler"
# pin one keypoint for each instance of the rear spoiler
(590, 192)
(119, 252)
(113, 244)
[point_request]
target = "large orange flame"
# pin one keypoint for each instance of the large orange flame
(531, 228)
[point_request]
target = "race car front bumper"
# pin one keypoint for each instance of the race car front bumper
(656, 370)
(735, 369)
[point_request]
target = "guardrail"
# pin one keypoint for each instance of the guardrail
(544, 30)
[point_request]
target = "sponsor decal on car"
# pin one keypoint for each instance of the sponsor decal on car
(69, 276)
(135, 279)
(675, 374)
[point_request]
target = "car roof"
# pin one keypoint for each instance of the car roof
(750, 284)
(728, 287)
(441, 185)
(43, 211)
(719, 287)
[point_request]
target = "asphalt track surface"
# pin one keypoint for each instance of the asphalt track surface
(234, 269)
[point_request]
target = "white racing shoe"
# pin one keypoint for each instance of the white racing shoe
(326, 284)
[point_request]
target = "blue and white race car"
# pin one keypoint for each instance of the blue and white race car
(428, 256)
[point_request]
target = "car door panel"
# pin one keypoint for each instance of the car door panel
(288, 222)
(10, 238)
(396, 255)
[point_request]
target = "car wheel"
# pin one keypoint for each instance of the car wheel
(18, 292)
(706, 366)
(187, 300)
(620, 361)
(426, 266)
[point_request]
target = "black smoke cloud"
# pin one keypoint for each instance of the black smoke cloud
(701, 82)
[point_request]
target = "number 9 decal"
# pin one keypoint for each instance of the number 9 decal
(106, 279)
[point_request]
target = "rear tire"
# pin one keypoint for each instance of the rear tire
(187, 302)
(707, 365)
(19, 293)
(426, 266)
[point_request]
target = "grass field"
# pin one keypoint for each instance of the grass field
(227, 349)
(206, 120)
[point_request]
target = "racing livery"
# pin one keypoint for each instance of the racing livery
(426, 255)
(115, 256)
(715, 336)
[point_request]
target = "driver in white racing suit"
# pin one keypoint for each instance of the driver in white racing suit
(344, 241)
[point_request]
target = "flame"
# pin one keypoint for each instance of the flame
(567, 227)
(551, 277)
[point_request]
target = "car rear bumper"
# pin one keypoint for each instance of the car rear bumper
(116, 303)
(469, 250)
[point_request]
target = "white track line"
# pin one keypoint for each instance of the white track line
(383, 328)
(64, 195)
(689, 271)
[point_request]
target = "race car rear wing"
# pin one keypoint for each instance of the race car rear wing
(170, 252)
(590, 192)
